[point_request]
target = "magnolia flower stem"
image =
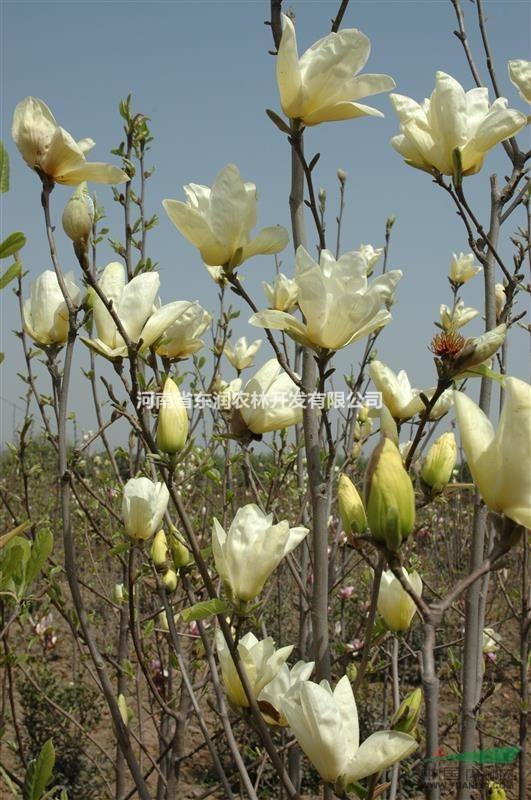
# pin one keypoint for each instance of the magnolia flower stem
(339, 16)
(62, 385)
(396, 703)
(525, 627)
(442, 385)
(367, 641)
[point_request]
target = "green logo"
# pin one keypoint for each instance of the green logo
(495, 755)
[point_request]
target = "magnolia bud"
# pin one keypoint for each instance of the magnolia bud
(389, 496)
(160, 554)
(351, 508)
(125, 712)
(407, 716)
(169, 579)
(438, 465)
(118, 594)
(341, 176)
(172, 429)
(78, 215)
(179, 551)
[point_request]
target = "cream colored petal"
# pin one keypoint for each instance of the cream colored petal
(188, 221)
(288, 72)
(281, 321)
(136, 303)
(449, 111)
(339, 111)
(32, 129)
(159, 321)
(228, 208)
(95, 171)
(378, 752)
(477, 435)
(268, 241)
(103, 349)
(520, 76)
(499, 124)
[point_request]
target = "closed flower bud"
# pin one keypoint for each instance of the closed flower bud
(395, 606)
(407, 716)
(351, 508)
(341, 176)
(438, 465)
(125, 711)
(160, 555)
(389, 496)
(169, 579)
(172, 429)
(78, 215)
(118, 594)
(501, 299)
(179, 551)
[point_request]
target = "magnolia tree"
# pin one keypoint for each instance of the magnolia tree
(207, 542)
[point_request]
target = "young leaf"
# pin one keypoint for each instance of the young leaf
(207, 608)
(41, 549)
(13, 243)
(39, 773)
(4, 169)
(10, 274)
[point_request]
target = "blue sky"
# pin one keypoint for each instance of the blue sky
(201, 71)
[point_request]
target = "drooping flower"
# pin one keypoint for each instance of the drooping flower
(134, 304)
(520, 76)
(181, 338)
(242, 355)
(450, 120)
(462, 268)
(143, 507)
(320, 86)
(325, 724)
(46, 147)
(395, 606)
(500, 462)
(251, 550)
(260, 660)
(282, 293)
(45, 313)
(268, 402)
(219, 221)
(338, 303)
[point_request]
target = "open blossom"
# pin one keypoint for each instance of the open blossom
(273, 694)
(282, 293)
(462, 268)
(321, 86)
(181, 338)
(219, 221)
(49, 148)
(143, 507)
(336, 299)
(241, 355)
(400, 398)
(325, 724)
(395, 606)
(260, 660)
(251, 550)
(269, 401)
(45, 313)
(372, 255)
(452, 119)
(134, 304)
(520, 76)
(454, 318)
(500, 461)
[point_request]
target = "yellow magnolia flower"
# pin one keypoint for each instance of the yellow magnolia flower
(439, 463)
(395, 606)
(452, 119)
(173, 425)
(520, 76)
(219, 221)
(462, 268)
(241, 355)
(500, 461)
(320, 86)
(143, 507)
(45, 313)
(49, 148)
(351, 508)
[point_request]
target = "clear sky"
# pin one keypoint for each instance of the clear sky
(201, 71)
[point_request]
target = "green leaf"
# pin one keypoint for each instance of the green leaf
(10, 274)
(5, 777)
(39, 773)
(278, 121)
(41, 549)
(2, 356)
(207, 608)
(13, 243)
(4, 169)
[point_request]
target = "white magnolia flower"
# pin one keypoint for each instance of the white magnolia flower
(490, 641)
(320, 86)
(325, 724)
(45, 313)
(282, 293)
(454, 318)
(273, 694)
(242, 355)
(181, 338)
(372, 256)
(134, 304)
(260, 660)
(219, 221)
(500, 462)
(269, 400)
(251, 550)
(338, 303)
(452, 119)
(501, 299)
(402, 401)
(395, 606)
(46, 147)
(520, 76)
(143, 507)
(462, 268)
